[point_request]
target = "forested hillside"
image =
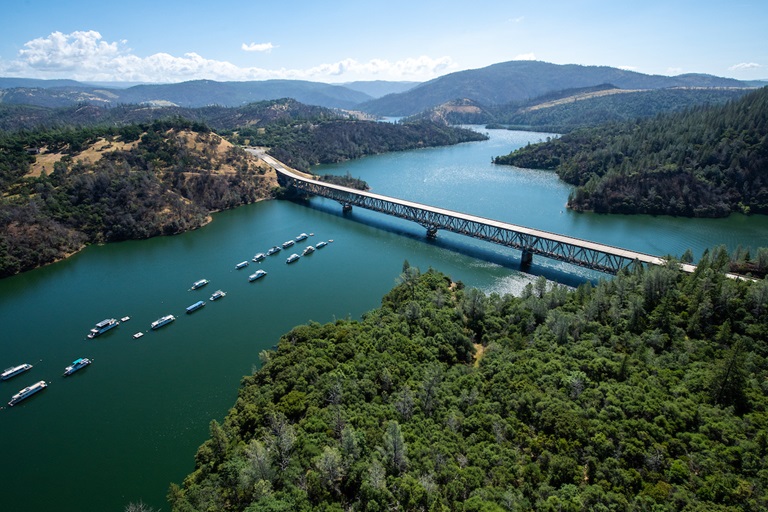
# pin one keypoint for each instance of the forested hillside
(704, 162)
(303, 144)
(66, 188)
(645, 392)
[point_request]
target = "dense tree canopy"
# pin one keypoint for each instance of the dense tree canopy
(644, 392)
(705, 162)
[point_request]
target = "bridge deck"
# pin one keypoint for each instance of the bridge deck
(581, 252)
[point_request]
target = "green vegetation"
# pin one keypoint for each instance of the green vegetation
(168, 179)
(645, 392)
(704, 162)
(302, 143)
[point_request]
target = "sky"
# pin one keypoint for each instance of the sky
(338, 41)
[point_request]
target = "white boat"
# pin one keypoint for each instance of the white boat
(301, 237)
(293, 257)
(194, 307)
(77, 364)
(15, 370)
(199, 284)
(217, 295)
(125, 319)
(259, 257)
(138, 335)
(308, 250)
(242, 264)
(27, 392)
(288, 243)
(257, 275)
(163, 320)
(102, 327)
(274, 250)
(320, 245)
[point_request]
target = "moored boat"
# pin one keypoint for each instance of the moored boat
(217, 295)
(27, 392)
(257, 275)
(199, 284)
(301, 237)
(274, 250)
(288, 243)
(293, 257)
(320, 245)
(308, 250)
(138, 335)
(260, 256)
(163, 320)
(242, 264)
(102, 327)
(125, 319)
(194, 307)
(15, 370)
(77, 364)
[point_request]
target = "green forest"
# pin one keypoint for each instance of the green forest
(173, 173)
(643, 392)
(704, 162)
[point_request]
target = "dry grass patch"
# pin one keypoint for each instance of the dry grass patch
(45, 160)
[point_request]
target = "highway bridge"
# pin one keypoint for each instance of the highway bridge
(529, 241)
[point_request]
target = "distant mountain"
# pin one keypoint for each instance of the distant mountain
(197, 93)
(567, 110)
(379, 88)
(517, 81)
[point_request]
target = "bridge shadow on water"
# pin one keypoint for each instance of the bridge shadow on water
(507, 257)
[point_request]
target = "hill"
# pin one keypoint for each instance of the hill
(517, 81)
(704, 162)
(646, 392)
(67, 188)
(379, 88)
(196, 93)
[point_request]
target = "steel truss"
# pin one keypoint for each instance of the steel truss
(590, 255)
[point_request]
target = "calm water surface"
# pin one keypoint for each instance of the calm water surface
(127, 426)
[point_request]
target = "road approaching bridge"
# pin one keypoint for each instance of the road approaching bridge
(529, 241)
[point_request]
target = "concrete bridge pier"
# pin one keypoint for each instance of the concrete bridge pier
(526, 258)
(431, 232)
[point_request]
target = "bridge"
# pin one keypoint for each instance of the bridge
(529, 241)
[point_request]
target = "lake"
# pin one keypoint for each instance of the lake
(125, 427)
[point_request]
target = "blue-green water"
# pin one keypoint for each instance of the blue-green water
(128, 425)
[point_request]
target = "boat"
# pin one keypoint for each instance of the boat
(199, 284)
(194, 307)
(242, 264)
(301, 237)
(217, 295)
(288, 243)
(320, 245)
(77, 364)
(308, 250)
(103, 327)
(259, 274)
(293, 257)
(274, 250)
(125, 319)
(138, 335)
(163, 320)
(14, 370)
(259, 257)
(27, 392)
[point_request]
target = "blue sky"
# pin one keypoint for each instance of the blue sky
(344, 40)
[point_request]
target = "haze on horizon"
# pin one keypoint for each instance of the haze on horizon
(342, 41)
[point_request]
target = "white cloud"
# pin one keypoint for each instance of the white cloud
(628, 68)
(525, 56)
(741, 66)
(85, 56)
(260, 47)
